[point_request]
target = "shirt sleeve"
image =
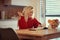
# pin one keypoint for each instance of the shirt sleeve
(36, 23)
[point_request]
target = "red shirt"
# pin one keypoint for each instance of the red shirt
(29, 24)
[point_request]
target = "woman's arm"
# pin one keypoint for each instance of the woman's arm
(36, 23)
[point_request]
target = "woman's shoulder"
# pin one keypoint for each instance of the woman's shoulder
(33, 19)
(22, 16)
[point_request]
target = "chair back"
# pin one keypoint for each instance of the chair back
(8, 34)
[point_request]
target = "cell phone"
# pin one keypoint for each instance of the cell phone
(45, 28)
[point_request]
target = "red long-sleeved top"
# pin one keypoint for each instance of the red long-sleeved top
(29, 24)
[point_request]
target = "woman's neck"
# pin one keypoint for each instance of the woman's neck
(26, 17)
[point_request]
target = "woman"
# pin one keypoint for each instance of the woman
(25, 19)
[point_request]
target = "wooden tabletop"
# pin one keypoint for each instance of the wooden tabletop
(37, 32)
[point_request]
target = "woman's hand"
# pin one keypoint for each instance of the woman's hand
(39, 25)
(20, 13)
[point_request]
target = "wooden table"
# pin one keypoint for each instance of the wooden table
(38, 34)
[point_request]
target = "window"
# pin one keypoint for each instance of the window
(52, 7)
(52, 10)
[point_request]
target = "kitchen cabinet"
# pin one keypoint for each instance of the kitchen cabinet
(9, 24)
(5, 2)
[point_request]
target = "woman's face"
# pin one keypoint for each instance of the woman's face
(30, 13)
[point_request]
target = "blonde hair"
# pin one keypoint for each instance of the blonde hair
(26, 8)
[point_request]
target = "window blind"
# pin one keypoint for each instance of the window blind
(52, 7)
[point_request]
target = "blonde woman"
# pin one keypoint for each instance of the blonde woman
(25, 19)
